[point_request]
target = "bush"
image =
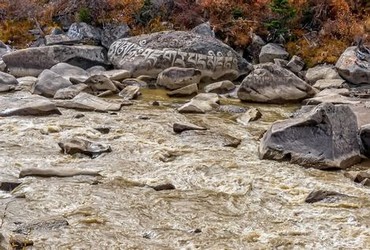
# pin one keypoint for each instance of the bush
(84, 15)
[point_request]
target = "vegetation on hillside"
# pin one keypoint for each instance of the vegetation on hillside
(317, 30)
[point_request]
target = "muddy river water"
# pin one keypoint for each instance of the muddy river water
(225, 197)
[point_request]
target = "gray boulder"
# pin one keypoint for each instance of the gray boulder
(329, 83)
(324, 138)
(270, 83)
(220, 87)
(6, 79)
(49, 83)
(60, 39)
(67, 71)
(321, 72)
(364, 139)
(351, 68)
(255, 47)
(175, 78)
(271, 51)
(27, 105)
(130, 92)
(26, 83)
(151, 54)
(32, 61)
(2, 66)
(70, 92)
(84, 33)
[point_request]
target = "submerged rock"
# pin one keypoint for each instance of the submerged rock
(152, 53)
(83, 146)
(27, 105)
(181, 127)
(319, 195)
(324, 138)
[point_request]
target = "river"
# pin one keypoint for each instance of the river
(225, 197)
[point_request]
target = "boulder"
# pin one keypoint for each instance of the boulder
(6, 79)
(324, 138)
(98, 83)
(112, 33)
(352, 68)
(85, 101)
(49, 83)
(321, 72)
(329, 83)
(6, 88)
(204, 29)
(175, 78)
(270, 83)
(2, 66)
(84, 33)
(296, 64)
(151, 54)
(271, 51)
(27, 105)
(70, 92)
(220, 87)
(134, 82)
(32, 61)
(67, 71)
(185, 91)
(117, 74)
(201, 103)
(96, 70)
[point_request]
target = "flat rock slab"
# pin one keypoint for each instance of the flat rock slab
(329, 83)
(85, 101)
(32, 61)
(326, 137)
(29, 105)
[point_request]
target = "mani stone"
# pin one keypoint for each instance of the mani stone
(326, 137)
(269, 83)
(32, 61)
(152, 53)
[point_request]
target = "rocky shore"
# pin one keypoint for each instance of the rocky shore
(90, 73)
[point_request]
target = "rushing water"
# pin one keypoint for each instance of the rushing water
(225, 197)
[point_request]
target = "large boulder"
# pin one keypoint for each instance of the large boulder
(27, 105)
(49, 83)
(326, 137)
(32, 61)
(270, 83)
(272, 51)
(352, 68)
(68, 71)
(151, 54)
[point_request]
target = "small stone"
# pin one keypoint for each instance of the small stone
(78, 116)
(162, 187)
(155, 103)
(252, 114)
(83, 146)
(20, 242)
(181, 127)
(319, 195)
(103, 130)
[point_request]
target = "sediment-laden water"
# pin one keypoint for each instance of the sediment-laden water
(225, 197)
